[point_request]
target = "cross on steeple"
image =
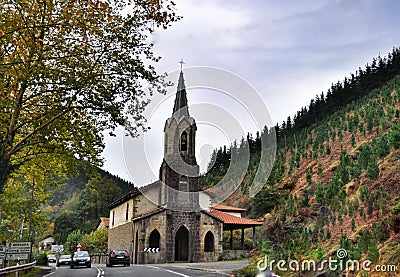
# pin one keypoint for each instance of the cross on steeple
(182, 63)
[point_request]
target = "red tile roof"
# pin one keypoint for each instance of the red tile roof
(234, 220)
(103, 223)
(227, 208)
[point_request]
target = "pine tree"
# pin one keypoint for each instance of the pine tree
(328, 234)
(373, 252)
(309, 175)
(319, 168)
(353, 140)
(394, 135)
(372, 169)
(328, 149)
(319, 194)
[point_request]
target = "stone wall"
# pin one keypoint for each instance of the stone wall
(99, 259)
(191, 221)
(120, 237)
(208, 223)
(235, 254)
(143, 228)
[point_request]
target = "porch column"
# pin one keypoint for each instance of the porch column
(231, 241)
(242, 239)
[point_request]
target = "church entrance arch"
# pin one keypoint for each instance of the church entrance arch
(182, 244)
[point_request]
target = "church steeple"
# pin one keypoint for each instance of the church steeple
(179, 170)
(180, 106)
(180, 128)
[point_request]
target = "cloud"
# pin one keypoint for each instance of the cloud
(288, 50)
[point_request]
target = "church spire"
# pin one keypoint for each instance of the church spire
(180, 106)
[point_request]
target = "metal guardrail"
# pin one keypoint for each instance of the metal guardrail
(16, 268)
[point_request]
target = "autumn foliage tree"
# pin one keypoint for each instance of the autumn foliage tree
(71, 69)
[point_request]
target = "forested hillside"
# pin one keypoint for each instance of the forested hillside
(335, 180)
(83, 199)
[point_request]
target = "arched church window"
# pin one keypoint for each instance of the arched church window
(154, 240)
(184, 141)
(209, 242)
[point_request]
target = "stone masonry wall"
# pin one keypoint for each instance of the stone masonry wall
(144, 228)
(120, 237)
(191, 221)
(208, 223)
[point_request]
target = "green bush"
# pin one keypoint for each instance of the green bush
(41, 259)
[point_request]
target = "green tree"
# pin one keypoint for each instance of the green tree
(96, 241)
(320, 253)
(372, 169)
(373, 252)
(319, 194)
(265, 201)
(68, 220)
(394, 135)
(71, 69)
(94, 199)
(319, 168)
(328, 234)
(64, 224)
(22, 202)
(72, 240)
(328, 149)
(305, 200)
(309, 175)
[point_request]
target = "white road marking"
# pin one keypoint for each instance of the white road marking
(177, 273)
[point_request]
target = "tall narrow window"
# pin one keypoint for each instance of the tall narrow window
(127, 211)
(113, 216)
(184, 141)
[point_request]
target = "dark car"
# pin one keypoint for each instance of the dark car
(118, 257)
(51, 258)
(80, 258)
(64, 260)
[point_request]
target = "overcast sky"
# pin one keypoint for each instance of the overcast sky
(288, 51)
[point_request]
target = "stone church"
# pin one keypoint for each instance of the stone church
(172, 216)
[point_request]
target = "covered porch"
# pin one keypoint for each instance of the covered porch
(235, 222)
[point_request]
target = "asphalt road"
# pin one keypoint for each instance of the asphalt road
(159, 270)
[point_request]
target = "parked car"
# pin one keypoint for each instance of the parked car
(80, 258)
(51, 258)
(118, 257)
(64, 260)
